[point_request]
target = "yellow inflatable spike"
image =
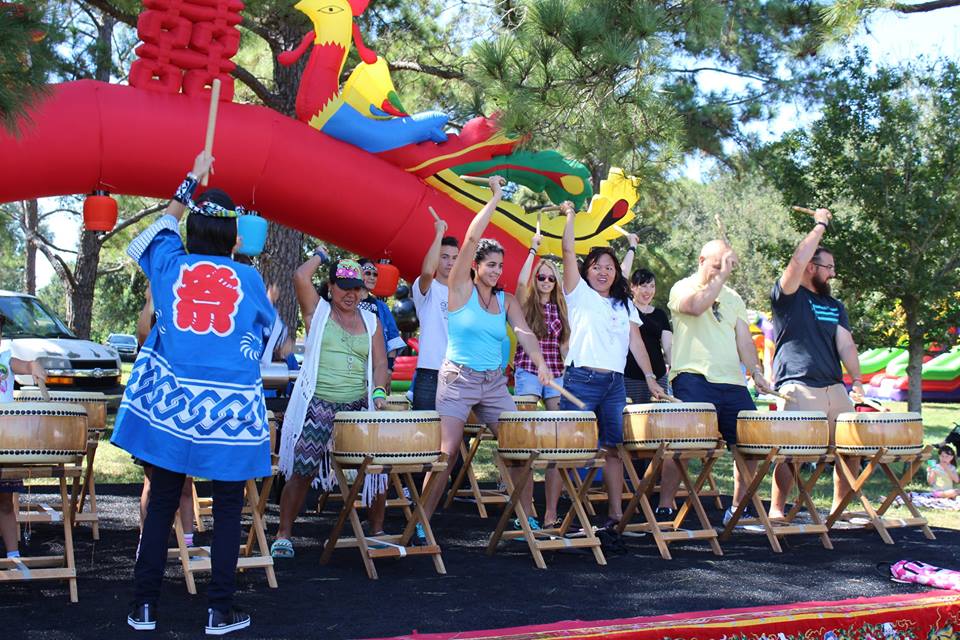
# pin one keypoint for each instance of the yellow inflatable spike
(369, 84)
(592, 228)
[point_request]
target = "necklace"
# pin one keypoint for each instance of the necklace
(340, 320)
(486, 303)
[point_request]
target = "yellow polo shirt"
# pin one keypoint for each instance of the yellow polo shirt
(706, 344)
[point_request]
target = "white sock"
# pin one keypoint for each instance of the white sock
(13, 554)
(188, 539)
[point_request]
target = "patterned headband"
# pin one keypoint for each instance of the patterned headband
(184, 196)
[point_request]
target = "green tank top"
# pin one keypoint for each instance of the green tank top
(342, 366)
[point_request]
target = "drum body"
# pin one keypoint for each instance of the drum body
(794, 432)
(557, 435)
(390, 437)
(397, 402)
(42, 432)
(527, 403)
(866, 433)
(683, 425)
(94, 403)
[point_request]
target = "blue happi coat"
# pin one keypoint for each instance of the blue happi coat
(194, 401)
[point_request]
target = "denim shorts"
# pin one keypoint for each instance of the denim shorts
(604, 394)
(729, 399)
(528, 384)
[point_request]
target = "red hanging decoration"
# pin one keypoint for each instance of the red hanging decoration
(99, 212)
(388, 277)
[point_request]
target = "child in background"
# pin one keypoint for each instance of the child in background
(9, 366)
(942, 476)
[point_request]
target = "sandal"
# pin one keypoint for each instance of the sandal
(281, 548)
(553, 524)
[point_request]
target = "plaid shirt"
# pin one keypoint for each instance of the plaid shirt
(549, 345)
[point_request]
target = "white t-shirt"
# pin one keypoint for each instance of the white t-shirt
(6, 376)
(432, 313)
(599, 329)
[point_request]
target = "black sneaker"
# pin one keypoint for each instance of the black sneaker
(665, 513)
(219, 623)
(143, 617)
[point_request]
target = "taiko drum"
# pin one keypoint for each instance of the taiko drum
(866, 433)
(389, 437)
(683, 425)
(792, 432)
(94, 403)
(556, 435)
(397, 402)
(42, 432)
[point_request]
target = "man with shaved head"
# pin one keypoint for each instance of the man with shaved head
(711, 338)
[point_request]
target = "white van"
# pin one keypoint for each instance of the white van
(33, 332)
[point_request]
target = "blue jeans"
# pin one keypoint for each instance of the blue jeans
(604, 394)
(729, 399)
(425, 390)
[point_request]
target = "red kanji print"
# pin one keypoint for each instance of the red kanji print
(206, 298)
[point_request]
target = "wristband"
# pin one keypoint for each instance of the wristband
(379, 392)
(650, 376)
(825, 225)
(184, 193)
(320, 253)
(631, 249)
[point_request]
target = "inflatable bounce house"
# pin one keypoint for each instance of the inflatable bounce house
(354, 168)
(885, 375)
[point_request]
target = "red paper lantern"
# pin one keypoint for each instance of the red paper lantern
(388, 277)
(99, 212)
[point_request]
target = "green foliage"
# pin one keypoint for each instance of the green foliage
(27, 55)
(885, 156)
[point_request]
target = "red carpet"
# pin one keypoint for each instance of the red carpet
(927, 616)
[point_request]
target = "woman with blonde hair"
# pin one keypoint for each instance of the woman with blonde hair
(545, 310)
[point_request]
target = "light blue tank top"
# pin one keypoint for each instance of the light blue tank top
(475, 336)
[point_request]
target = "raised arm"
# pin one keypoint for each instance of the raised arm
(571, 271)
(202, 165)
(847, 348)
(459, 280)
(626, 265)
(748, 356)
(793, 274)
(527, 269)
(432, 258)
(307, 295)
(694, 304)
(526, 338)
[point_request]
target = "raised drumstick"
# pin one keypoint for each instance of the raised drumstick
(799, 209)
(721, 227)
(211, 122)
(476, 180)
(43, 390)
(621, 231)
(566, 394)
(539, 219)
(436, 218)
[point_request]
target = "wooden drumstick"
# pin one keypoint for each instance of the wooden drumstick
(621, 231)
(539, 219)
(777, 394)
(476, 180)
(566, 394)
(721, 227)
(669, 398)
(548, 208)
(211, 122)
(873, 403)
(799, 209)
(436, 218)
(44, 393)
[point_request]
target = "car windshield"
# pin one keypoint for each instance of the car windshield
(27, 318)
(122, 340)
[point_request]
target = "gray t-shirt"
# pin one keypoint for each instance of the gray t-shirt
(805, 328)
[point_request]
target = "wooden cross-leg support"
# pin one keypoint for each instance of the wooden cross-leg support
(776, 529)
(664, 533)
(882, 460)
(482, 497)
(197, 559)
(547, 539)
(385, 546)
(60, 567)
(89, 488)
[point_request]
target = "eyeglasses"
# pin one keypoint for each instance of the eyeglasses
(828, 267)
(715, 307)
(370, 271)
(544, 277)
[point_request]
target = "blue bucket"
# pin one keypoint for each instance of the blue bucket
(253, 234)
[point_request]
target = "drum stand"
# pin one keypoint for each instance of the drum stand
(693, 492)
(548, 539)
(774, 530)
(385, 546)
(60, 567)
(482, 497)
(881, 459)
(197, 559)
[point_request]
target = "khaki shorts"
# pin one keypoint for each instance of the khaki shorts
(832, 400)
(461, 389)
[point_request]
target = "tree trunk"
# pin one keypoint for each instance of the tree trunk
(31, 219)
(80, 304)
(916, 350)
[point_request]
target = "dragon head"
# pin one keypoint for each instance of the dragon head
(332, 20)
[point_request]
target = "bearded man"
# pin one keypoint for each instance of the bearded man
(812, 339)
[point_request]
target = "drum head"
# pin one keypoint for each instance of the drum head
(879, 416)
(781, 416)
(385, 416)
(42, 409)
(547, 416)
(59, 396)
(670, 407)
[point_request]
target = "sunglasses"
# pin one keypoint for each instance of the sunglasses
(715, 307)
(545, 277)
(370, 271)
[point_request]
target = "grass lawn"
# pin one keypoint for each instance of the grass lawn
(115, 465)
